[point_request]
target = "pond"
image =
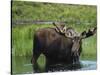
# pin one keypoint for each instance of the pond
(22, 65)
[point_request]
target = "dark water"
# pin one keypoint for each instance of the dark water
(22, 65)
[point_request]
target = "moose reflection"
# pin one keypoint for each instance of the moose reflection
(60, 45)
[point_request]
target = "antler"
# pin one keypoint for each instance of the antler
(89, 33)
(70, 33)
(60, 28)
(56, 26)
(67, 32)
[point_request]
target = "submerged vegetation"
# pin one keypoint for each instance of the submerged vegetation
(80, 17)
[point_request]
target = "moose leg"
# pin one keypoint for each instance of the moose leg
(75, 57)
(36, 54)
(76, 63)
(48, 64)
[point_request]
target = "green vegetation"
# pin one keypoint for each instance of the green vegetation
(22, 39)
(54, 12)
(22, 36)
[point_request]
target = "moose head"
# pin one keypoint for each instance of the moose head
(76, 38)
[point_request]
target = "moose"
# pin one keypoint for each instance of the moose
(59, 45)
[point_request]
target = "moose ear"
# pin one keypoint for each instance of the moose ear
(88, 33)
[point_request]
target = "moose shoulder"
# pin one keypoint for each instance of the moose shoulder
(58, 48)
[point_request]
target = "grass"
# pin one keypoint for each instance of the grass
(53, 11)
(80, 17)
(22, 41)
(90, 48)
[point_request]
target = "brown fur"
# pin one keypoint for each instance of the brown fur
(57, 48)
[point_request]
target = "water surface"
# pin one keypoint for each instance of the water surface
(22, 65)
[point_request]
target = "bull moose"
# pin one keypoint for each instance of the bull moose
(59, 47)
